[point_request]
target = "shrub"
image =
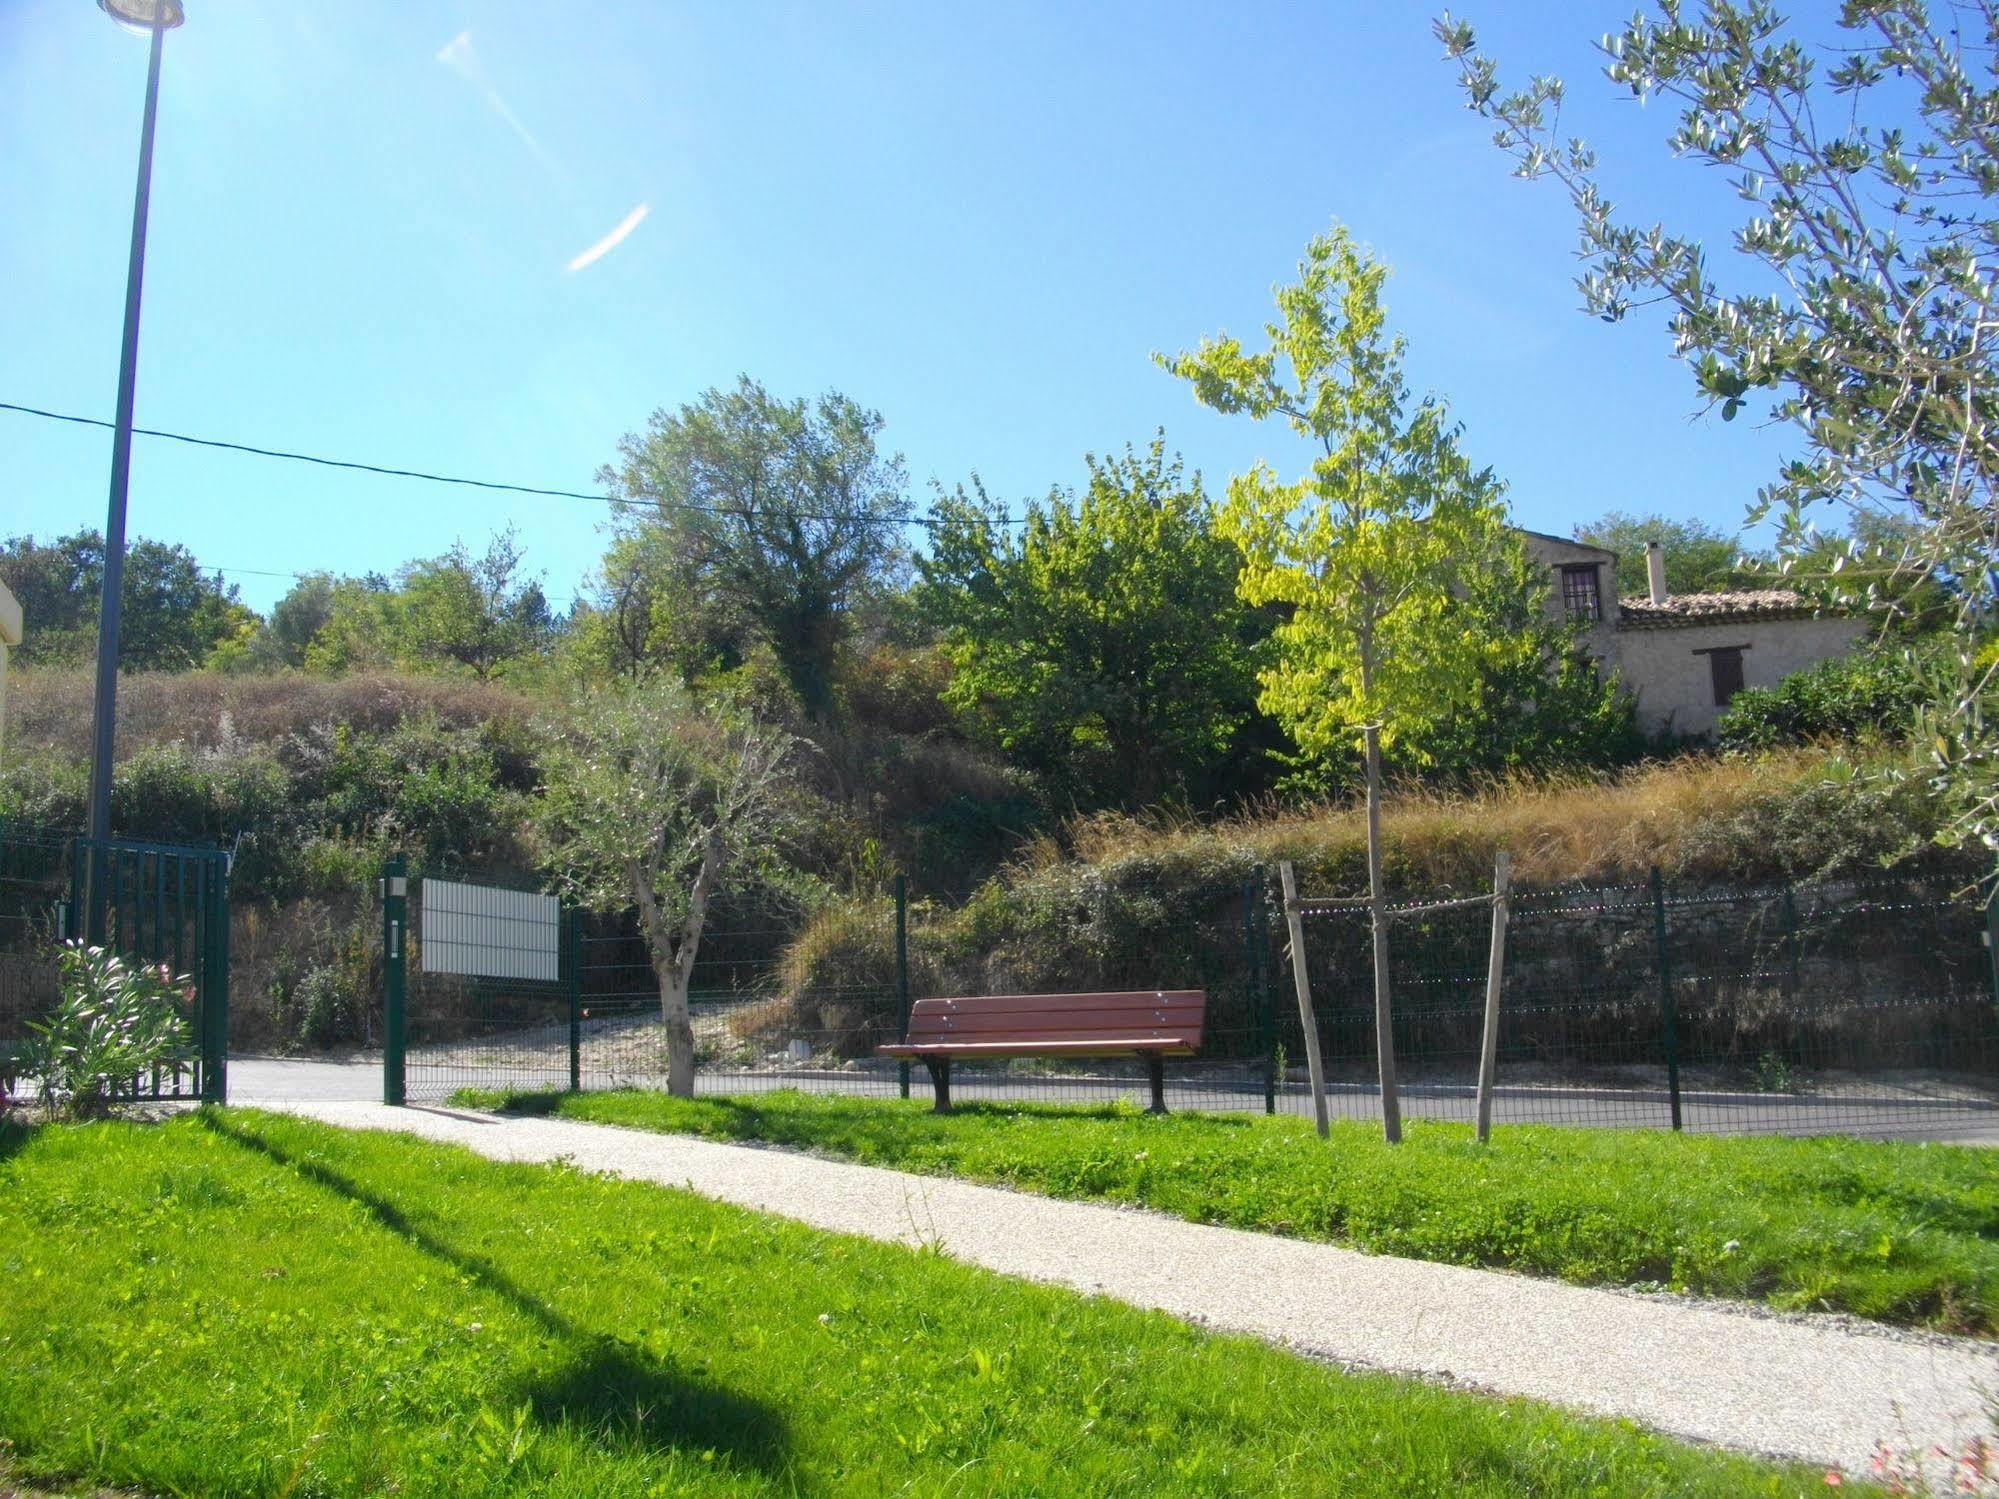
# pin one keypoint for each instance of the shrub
(43, 790)
(1874, 694)
(113, 1022)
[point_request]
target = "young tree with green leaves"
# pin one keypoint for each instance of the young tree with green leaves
(1374, 549)
(1866, 163)
(652, 800)
(476, 612)
(779, 512)
(1102, 642)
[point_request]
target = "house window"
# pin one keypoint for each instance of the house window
(1580, 597)
(1724, 664)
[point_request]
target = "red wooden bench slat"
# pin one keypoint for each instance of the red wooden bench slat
(1038, 1003)
(1149, 1023)
(1110, 1045)
(1184, 1017)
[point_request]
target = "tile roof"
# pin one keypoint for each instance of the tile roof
(1713, 608)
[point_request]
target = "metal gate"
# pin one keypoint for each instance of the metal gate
(153, 903)
(478, 989)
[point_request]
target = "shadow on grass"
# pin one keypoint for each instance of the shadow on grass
(614, 1393)
(865, 1129)
(14, 1135)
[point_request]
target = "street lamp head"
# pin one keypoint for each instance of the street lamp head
(144, 16)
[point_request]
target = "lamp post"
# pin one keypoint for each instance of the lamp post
(156, 17)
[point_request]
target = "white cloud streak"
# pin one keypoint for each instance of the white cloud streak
(612, 240)
(457, 55)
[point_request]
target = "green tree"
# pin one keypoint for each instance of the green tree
(1102, 644)
(452, 610)
(174, 614)
(1699, 558)
(1866, 162)
(357, 632)
(474, 612)
(296, 620)
(1541, 708)
(1374, 549)
(778, 511)
(650, 800)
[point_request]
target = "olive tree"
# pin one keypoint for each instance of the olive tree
(1376, 549)
(1862, 298)
(653, 801)
(772, 514)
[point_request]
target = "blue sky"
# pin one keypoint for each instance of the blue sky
(979, 220)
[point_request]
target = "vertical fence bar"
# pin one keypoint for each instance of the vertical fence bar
(1668, 1009)
(902, 978)
(1992, 939)
(215, 1002)
(395, 911)
(575, 1001)
(1259, 988)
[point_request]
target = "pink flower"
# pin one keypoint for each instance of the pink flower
(1832, 1478)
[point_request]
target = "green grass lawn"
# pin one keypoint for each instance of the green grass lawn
(246, 1304)
(1903, 1233)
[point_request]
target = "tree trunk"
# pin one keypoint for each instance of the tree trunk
(673, 955)
(679, 1027)
(1377, 910)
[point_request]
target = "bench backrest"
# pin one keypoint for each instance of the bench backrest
(1150, 1014)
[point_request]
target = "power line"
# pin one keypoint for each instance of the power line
(743, 512)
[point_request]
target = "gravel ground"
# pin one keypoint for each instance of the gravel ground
(1821, 1390)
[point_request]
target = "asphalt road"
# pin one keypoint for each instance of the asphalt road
(254, 1080)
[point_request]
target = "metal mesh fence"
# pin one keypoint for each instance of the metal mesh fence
(1864, 1007)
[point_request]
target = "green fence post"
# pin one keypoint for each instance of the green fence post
(215, 992)
(575, 1001)
(1992, 939)
(902, 977)
(1668, 1009)
(395, 915)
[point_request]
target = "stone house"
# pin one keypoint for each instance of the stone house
(1683, 656)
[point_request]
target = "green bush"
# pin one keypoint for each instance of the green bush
(1873, 694)
(43, 790)
(113, 1022)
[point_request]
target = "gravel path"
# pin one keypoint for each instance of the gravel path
(1818, 1390)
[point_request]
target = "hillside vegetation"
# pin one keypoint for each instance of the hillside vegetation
(1112, 887)
(314, 781)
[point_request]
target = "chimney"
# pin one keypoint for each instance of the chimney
(1655, 570)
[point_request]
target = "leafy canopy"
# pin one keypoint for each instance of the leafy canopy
(1373, 548)
(1866, 288)
(644, 788)
(175, 616)
(1103, 643)
(777, 514)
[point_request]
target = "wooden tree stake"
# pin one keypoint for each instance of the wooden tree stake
(1495, 969)
(1306, 1019)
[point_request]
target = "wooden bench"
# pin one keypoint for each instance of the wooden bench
(1154, 1024)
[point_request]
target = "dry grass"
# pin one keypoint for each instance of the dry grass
(1675, 814)
(51, 709)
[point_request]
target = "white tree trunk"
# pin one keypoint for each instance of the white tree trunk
(673, 955)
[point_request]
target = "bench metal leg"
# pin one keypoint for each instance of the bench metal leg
(1156, 1066)
(940, 1080)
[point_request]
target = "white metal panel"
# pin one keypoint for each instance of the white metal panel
(492, 933)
